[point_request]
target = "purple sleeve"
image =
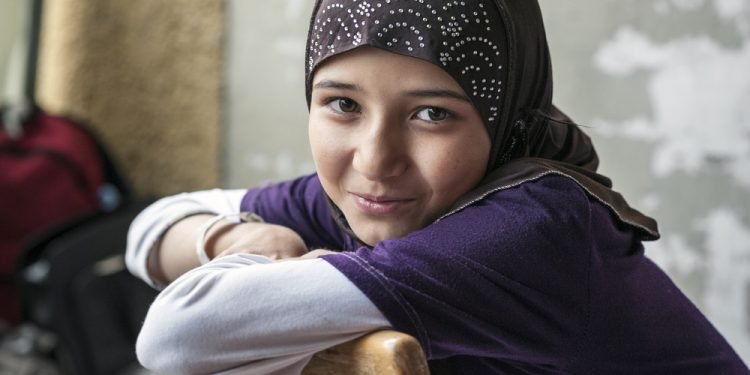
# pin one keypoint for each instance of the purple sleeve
(299, 204)
(506, 275)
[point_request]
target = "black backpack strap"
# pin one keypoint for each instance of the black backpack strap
(20, 110)
(32, 60)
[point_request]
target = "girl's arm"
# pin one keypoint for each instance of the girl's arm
(247, 314)
(162, 239)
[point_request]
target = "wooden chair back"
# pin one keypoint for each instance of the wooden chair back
(377, 353)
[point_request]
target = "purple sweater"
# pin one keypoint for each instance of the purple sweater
(538, 279)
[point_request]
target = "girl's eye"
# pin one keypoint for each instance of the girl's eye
(433, 114)
(343, 105)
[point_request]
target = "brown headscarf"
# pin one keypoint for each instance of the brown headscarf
(497, 52)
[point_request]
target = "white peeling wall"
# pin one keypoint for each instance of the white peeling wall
(663, 87)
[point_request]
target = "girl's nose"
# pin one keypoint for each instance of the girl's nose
(381, 151)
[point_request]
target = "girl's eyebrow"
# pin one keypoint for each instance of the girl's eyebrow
(331, 84)
(438, 94)
(425, 93)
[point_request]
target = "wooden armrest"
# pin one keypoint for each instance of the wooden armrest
(380, 352)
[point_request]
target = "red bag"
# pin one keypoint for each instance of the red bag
(49, 175)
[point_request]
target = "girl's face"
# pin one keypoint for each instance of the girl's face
(395, 141)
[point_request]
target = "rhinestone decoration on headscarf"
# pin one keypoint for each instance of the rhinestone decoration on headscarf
(465, 38)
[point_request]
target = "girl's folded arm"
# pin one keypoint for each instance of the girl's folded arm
(151, 224)
(246, 312)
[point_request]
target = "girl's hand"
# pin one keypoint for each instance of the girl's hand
(176, 254)
(273, 241)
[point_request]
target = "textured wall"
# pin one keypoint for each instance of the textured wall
(663, 87)
(146, 74)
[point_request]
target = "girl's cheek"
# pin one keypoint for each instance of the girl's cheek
(325, 144)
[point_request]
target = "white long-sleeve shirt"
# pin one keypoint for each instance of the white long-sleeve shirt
(241, 313)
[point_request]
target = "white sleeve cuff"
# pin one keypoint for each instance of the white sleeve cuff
(151, 224)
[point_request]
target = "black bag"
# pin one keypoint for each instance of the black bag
(54, 171)
(81, 309)
(74, 284)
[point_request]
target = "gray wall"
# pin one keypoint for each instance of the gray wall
(663, 87)
(266, 112)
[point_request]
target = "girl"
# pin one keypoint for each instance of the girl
(453, 204)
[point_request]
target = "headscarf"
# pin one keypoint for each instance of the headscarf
(497, 52)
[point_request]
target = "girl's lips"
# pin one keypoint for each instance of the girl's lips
(379, 206)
